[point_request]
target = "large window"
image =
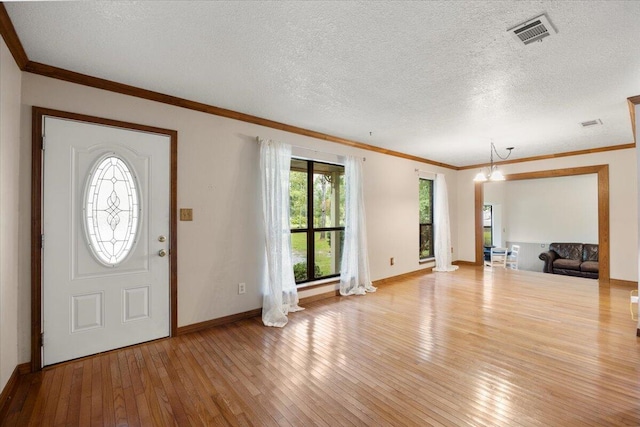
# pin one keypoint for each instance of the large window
(317, 219)
(426, 218)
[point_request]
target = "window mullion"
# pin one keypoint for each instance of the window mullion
(310, 234)
(432, 249)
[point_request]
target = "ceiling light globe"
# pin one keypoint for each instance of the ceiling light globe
(480, 177)
(496, 175)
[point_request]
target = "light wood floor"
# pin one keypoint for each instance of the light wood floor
(473, 347)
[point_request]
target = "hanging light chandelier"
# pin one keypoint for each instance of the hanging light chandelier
(494, 173)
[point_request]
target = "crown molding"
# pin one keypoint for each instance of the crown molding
(554, 156)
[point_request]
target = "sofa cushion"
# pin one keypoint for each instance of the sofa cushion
(590, 266)
(590, 252)
(568, 250)
(567, 264)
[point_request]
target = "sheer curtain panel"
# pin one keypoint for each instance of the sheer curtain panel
(279, 290)
(354, 275)
(442, 240)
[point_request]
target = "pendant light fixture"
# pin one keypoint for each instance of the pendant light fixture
(494, 173)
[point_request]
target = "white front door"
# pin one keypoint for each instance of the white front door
(106, 222)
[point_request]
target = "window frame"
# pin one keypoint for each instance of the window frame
(432, 223)
(310, 229)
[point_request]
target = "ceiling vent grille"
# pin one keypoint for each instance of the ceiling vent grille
(533, 30)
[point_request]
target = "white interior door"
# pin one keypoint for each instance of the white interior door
(106, 222)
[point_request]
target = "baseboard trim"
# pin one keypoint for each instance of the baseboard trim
(471, 263)
(390, 280)
(11, 388)
(24, 368)
(195, 327)
(624, 283)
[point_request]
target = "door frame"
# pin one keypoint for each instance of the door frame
(37, 115)
(602, 172)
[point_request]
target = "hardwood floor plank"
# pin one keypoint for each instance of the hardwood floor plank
(177, 397)
(60, 414)
(291, 384)
(162, 412)
(137, 389)
(54, 390)
(119, 405)
(185, 388)
(33, 399)
(276, 405)
(96, 392)
(227, 398)
(109, 397)
(72, 417)
(206, 407)
(474, 347)
(84, 414)
(132, 417)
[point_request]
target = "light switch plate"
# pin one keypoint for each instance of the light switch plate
(186, 214)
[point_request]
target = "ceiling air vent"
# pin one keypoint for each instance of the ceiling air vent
(533, 30)
(591, 123)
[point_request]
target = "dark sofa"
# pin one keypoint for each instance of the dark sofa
(571, 259)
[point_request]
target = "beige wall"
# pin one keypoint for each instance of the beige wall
(217, 177)
(10, 82)
(623, 208)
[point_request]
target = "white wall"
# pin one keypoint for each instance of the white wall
(10, 81)
(623, 206)
(572, 199)
(217, 177)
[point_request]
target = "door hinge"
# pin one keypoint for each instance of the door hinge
(42, 142)
(42, 241)
(42, 339)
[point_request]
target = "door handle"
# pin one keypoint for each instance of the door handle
(162, 252)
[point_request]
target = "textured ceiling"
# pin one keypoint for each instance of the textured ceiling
(437, 80)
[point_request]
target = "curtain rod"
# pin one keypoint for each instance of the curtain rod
(364, 159)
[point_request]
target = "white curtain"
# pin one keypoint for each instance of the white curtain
(354, 275)
(442, 241)
(280, 293)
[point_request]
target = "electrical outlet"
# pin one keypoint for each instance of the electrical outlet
(391, 261)
(242, 288)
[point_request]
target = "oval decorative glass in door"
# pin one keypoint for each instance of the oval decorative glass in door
(111, 210)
